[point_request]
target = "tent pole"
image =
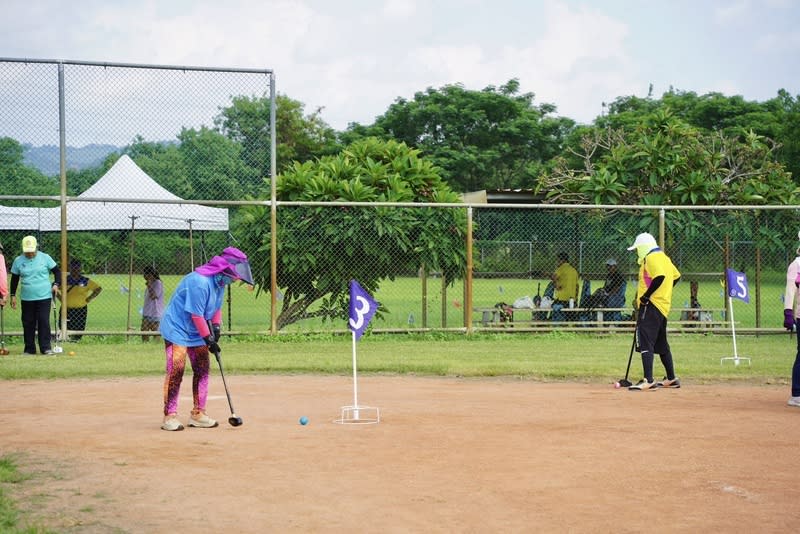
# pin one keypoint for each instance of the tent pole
(130, 268)
(191, 244)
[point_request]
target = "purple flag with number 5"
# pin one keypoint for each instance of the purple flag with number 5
(362, 308)
(737, 285)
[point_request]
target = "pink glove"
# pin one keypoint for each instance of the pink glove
(788, 320)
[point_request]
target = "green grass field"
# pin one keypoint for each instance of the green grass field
(403, 299)
(553, 356)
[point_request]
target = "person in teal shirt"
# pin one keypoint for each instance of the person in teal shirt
(30, 273)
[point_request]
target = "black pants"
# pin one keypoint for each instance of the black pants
(36, 317)
(76, 320)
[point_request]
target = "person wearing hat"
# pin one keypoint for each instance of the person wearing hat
(791, 320)
(80, 292)
(30, 272)
(196, 304)
(613, 290)
(657, 276)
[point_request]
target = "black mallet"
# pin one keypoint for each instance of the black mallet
(624, 383)
(233, 420)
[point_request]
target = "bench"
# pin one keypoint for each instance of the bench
(539, 320)
(491, 316)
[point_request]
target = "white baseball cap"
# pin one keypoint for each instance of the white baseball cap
(643, 239)
(29, 244)
(611, 261)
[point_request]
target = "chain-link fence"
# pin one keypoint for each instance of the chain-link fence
(159, 163)
(135, 163)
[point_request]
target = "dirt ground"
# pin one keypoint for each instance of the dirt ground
(449, 455)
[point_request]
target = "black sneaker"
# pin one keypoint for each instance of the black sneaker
(643, 384)
(667, 383)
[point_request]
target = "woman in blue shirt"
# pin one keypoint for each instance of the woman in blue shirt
(30, 272)
(185, 328)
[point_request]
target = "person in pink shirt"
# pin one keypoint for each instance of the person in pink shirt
(3, 278)
(153, 307)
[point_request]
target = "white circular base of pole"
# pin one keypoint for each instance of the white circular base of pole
(359, 415)
(735, 359)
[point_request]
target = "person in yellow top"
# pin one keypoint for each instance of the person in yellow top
(80, 291)
(565, 282)
(657, 276)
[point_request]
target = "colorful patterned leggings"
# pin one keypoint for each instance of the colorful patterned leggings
(176, 363)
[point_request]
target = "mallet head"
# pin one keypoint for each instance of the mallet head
(235, 420)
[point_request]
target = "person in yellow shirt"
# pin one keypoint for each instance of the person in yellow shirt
(80, 291)
(657, 276)
(565, 281)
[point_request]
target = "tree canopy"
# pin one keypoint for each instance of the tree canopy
(18, 178)
(369, 244)
(493, 138)
(659, 158)
(299, 137)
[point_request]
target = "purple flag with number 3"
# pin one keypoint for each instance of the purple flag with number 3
(737, 285)
(362, 308)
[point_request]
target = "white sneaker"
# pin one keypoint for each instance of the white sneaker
(794, 401)
(667, 383)
(201, 420)
(643, 384)
(171, 423)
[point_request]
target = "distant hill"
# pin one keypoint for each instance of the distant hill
(47, 158)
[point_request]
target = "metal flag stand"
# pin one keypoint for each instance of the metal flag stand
(735, 356)
(356, 414)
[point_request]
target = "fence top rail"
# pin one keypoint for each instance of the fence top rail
(616, 207)
(341, 203)
(134, 65)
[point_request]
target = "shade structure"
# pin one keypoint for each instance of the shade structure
(124, 198)
(120, 195)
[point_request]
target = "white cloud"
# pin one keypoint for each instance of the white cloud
(354, 58)
(399, 9)
(732, 13)
(778, 42)
(579, 61)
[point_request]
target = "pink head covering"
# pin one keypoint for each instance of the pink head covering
(232, 263)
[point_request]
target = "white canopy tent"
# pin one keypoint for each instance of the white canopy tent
(125, 180)
(117, 199)
(121, 200)
(30, 219)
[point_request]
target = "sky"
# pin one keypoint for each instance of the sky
(354, 58)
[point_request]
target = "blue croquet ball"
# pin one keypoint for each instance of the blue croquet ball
(304, 420)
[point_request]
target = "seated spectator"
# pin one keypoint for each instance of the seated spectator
(611, 295)
(614, 290)
(565, 279)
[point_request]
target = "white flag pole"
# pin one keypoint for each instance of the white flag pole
(355, 378)
(733, 332)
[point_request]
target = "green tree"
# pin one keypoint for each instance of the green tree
(788, 115)
(733, 116)
(494, 138)
(322, 248)
(18, 178)
(299, 137)
(664, 160)
(214, 166)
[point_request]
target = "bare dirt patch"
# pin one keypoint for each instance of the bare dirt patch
(449, 454)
